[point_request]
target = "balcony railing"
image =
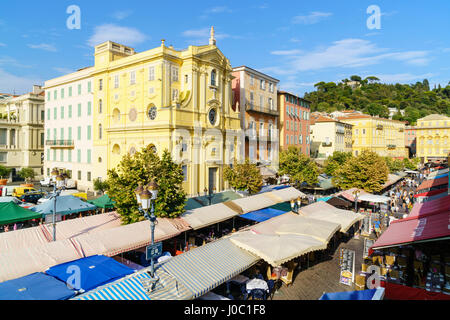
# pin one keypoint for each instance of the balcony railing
(379, 127)
(60, 143)
(327, 144)
(391, 146)
(261, 109)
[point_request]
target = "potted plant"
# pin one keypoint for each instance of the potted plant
(27, 174)
(4, 172)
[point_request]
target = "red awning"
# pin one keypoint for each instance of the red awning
(433, 206)
(413, 229)
(427, 184)
(430, 193)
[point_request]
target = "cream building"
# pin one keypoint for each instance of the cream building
(69, 126)
(432, 134)
(384, 136)
(168, 99)
(22, 131)
(329, 135)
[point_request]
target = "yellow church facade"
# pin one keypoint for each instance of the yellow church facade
(170, 99)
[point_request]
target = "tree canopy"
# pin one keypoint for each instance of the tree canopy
(244, 176)
(300, 168)
(336, 161)
(367, 171)
(372, 97)
(143, 167)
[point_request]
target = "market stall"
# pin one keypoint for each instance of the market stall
(94, 271)
(65, 205)
(36, 286)
(103, 202)
(370, 294)
(325, 211)
(205, 268)
(132, 288)
(11, 213)
(262, 215)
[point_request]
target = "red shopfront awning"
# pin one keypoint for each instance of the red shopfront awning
(431, 226)
(430, 193)
(433, 206)
(427, 184)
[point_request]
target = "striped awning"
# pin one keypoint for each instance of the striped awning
(205, 268)
(131, 288)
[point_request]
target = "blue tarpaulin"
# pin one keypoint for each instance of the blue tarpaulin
(371, 294)
(94, 271)
(271, 188)
(441, 176)
(36, 286)
(262, 215)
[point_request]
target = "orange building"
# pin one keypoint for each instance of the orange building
(255, 95)
(294, 122)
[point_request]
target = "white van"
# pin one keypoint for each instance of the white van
(7, 191)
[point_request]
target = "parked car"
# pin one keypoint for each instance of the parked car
(19, 191)
(75, 193)
(22, 204)
(32, 197)
(47, 182)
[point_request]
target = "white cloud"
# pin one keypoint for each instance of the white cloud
(120, 15)
(312, 18)
(63, 70)
(403, 77)
(286, 52)
(12, 62)
(295, 40)
(10, 83)
(111, 32)
(201, 36)
(351, 53)
(215, 10)
(2, 45)
(44, 46)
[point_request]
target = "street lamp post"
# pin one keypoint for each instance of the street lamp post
(146, 197)
(356, 194)
(58, 185)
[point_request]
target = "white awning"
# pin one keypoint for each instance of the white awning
(373, 198)
(285, 195)
(276, 249)
(324, 211)
(206, 216)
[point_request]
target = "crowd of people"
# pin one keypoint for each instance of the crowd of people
(402, 195)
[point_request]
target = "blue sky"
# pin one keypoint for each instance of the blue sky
(298, 42)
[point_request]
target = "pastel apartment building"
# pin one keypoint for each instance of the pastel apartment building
(329, 135)
(411, 140)
(294, 122)
(432, 134)
(22, 132)
(69, 127)
(255, 97)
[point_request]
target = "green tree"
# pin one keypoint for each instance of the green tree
(4, 172)
(100, 185)
(142, 168)
(394, 165)
(244, 177)
(335, 161)
(27, 174)
(298, 167)
(367, 171)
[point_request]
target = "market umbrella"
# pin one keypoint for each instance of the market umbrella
(11, 213)
(276, 249)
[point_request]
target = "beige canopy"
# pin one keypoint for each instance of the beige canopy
(24, 261)
(41, 234)
(125, 238)
(324, 211)
(285, 195)
(16, 263)
(291, 223)
(256, 202)
(276, 249)
(205, 216)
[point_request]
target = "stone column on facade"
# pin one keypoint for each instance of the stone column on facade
(202, 96)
